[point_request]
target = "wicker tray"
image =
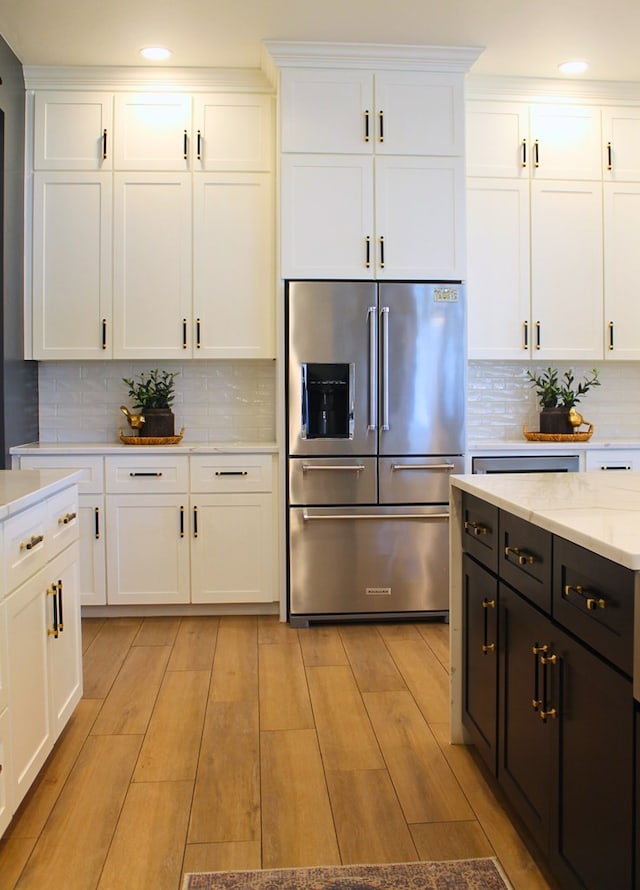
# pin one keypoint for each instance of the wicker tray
(559, 437)
(151, 440)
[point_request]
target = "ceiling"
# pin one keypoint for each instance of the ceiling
(520, 38)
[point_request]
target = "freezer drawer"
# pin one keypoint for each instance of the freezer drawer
(417, 480)
(332, 480)
(359, 560)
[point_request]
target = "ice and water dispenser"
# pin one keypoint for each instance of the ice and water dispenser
(327, 400)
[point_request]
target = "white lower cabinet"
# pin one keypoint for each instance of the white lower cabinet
(5, 761)
(614, 459)
(93, 582)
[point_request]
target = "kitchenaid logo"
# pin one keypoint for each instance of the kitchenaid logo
(378, 591)
(445, 295)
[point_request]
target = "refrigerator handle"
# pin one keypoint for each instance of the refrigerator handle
(384, 353)
(372, 421)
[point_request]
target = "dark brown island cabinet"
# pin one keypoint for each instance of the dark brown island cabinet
(547, 695)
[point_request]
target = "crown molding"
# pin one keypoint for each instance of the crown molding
(41, 77)
(552, 90)
(289, 54)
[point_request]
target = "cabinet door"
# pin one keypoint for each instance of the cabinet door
(525, 739)
(566, 142)
(621, 141)
(93, 590)
(232, 548)
(497, 139)
(419, 218)
(593, 771)
(148, 555)
(232, 131)
(566, 270)
(65, 643)
(498, 287)
(72, 265)
(480, 660)
(327, 216)
(233, 266)
(326, 110)
(6, 803)
(153, 131)
(29, 618)
(419, 113)
(152, 272)
(621, 270)
(73, 131)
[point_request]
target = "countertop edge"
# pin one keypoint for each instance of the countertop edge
(21, 489)
(57, 448)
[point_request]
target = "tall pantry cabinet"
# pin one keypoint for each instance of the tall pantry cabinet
(153, 223)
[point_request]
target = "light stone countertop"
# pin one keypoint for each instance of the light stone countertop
(508, 446)
(598, 511)
(97, 448)
(23, 488)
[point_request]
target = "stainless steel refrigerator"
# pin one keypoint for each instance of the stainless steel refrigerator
(376, 421)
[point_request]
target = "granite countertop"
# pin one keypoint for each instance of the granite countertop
(120, 447)
(23, 488)
(598, 511)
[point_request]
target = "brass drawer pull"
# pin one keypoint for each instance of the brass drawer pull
(592, 602)
(33, 541)
(488, 604)
(475, 528)
(67, 518)
(491, 647)
(523, 557)
(552, 712)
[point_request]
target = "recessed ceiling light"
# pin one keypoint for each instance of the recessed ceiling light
(155, 53)
(574, 66)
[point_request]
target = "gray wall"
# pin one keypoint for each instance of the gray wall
(19, 379)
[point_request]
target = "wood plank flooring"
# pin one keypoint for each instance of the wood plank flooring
(220, 743)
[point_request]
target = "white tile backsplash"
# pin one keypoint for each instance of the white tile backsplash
(500, 399)
(216, 401)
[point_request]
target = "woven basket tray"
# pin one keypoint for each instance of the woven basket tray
(558, 437)
(151, 440)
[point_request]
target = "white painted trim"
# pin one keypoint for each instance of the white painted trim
(552, 89)
(288, 54)
(42, 77)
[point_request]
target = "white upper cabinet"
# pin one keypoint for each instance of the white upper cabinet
(232, 131)
(73, 131)
(621, 270)
(541, 141)
(153, 131)
(621, 140)
(346, 111)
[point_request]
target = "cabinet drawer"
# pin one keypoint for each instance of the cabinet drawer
(616, 459)
(229, 472)
(25, 545)
(332, 480)
(163, 473)
(593, 597)
(525, 559)
(480, 530)
(92, 468)
(63, 521)
(417, 480)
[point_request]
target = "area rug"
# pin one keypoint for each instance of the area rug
(459, 874)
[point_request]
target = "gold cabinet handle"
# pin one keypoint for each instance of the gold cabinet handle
(522, 556)
(538, 337)
(611, 335)
(536, 153)
(525, 332)
(592, 602)
(544, 715)
(381, 126)
(609, 157)
(33, 541)
(366, 125)
(523, 162)
(475, 528)
(67, 518)
(489, 647)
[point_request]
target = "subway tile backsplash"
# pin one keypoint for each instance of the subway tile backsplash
(216, 401)
(234, 401)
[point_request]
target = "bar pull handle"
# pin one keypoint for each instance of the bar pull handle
(96, 523)
(373, 383)
(350, 468)
(525, 333)
(199, 145)
(487, 646)
(198, 330)
(381, 126)
(33, 541)
(307, 517)
(609, 157)
(366, 125)
(232, 472)
(67, 518)
(60, 589)
(182, 522)
(522, 556)
(104, 145)
(381, 239)
(423, 466)
(195, 522)
(367, 252)
(184, 333)
(536, 153)
(157, 474)
(536, 701)
(610, 335)
(523, 162)
(475, 528)
(384, 349)
(592, 602)
(54, 631)
(185, 145)
(104, 333)
(538, 337)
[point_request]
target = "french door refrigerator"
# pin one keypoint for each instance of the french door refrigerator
(375, 427)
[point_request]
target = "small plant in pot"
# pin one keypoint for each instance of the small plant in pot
(558, 396)
(153, 394)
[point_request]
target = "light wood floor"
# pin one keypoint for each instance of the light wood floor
(217, 743)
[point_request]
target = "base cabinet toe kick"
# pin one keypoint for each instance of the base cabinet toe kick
(547, 694)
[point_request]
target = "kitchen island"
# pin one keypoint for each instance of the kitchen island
(544, 590)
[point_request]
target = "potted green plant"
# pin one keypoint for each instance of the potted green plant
(558, 394)
(153, 393)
